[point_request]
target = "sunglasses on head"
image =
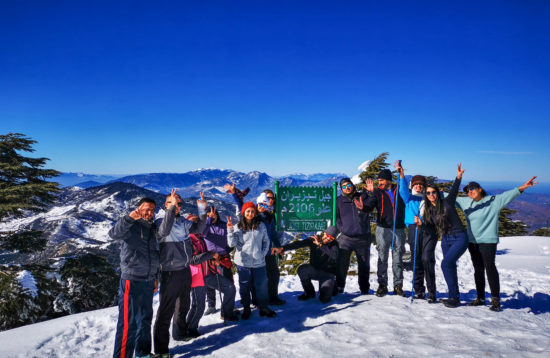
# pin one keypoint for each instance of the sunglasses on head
(345, 186)
(271, 198)
(431, 192)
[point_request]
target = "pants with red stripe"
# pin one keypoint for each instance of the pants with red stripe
(135, 314)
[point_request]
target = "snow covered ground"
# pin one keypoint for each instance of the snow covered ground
(350, 326)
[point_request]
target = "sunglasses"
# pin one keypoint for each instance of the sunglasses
(471, 188)
(263, 205)
(346, 186)
(431, 192)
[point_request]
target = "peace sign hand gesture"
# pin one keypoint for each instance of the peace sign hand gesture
(528, 184)
(201, 203)
(459, 171)
(229, 222)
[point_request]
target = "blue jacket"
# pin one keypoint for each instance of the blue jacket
(412, 201)
(139, 255)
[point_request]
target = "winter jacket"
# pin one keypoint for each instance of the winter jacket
(351, 221)
(267, 218)
(482, 216)
(385, 208)
(215, 235)
(201, 266)
(252, 246)
(452, 223)
(322, 258)
(176, 249)
(412, 201)
(139, 255)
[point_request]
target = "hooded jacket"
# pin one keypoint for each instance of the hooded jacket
(200, 264)
(411, 199)
(176, 249)
(252, 246)
(351, 221)
(139, 255)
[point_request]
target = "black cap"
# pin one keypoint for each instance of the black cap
(344, 181)
(472, 184)
(385, 174)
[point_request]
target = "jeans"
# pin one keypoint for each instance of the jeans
(260, 284)
(383, 245)
(453, 246)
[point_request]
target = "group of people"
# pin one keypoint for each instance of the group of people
(190, 254)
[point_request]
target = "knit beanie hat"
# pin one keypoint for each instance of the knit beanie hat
(346, 180)
(418, 179)
(385, 174)
(247, 205)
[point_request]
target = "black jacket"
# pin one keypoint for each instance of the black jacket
(351, 221)
(381, 201)
(139, 255)
(322, 258)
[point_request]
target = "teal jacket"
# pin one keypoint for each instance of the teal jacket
(412, 201)
(482, 216)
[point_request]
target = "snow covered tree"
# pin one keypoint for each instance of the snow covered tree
(17, 306)
(375, 166)
(23, 188)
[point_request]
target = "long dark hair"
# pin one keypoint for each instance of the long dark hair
(245, 226)
(435, 215)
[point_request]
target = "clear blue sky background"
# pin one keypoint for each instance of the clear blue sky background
(280, 86)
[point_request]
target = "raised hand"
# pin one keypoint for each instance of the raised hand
(201, 202)
(212, 212)
(229, 222)
(193, 218)
(230, 188)
(528, 184)
(135, 214)
(399, 168)
(277, 251)
(459, 171)
(369, 185)
(316, 240)
(359, 203)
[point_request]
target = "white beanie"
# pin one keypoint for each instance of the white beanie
(262, 199)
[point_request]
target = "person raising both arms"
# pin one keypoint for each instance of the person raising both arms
(482, 212)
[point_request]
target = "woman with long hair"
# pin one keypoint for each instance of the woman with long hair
(440, 218)
(482, 212)
(250, 238)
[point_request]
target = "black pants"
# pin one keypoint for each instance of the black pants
(307, 272)
(211, 292)
(175, 300)
(361, 246)
(425, 259)
(483, 259)
(215, 282)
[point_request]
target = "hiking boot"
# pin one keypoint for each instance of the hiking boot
(246, 313)
(276, 302)
(420, 296)
(382, 290)
(398, 291)
(336, 290)
(431, 298)
(210, 310)
(231, 318)
(267, 312)
(325, 298)
(365, 291)
(306, 296)
(477, 302)
(451, 302)
(495, 304)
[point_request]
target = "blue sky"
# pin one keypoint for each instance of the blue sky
(280, 86)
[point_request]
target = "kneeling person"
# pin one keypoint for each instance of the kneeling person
(321, 266)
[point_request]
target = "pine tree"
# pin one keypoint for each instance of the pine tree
(543, 231)
(509, 227)
(375, 166)
(23, 188)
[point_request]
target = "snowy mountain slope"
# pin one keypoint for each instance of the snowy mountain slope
(351, 325)
(80, 219)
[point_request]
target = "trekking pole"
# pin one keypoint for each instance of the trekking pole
(414, 260)
(396, 200)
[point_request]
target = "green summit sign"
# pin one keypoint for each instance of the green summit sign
(305, 209)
